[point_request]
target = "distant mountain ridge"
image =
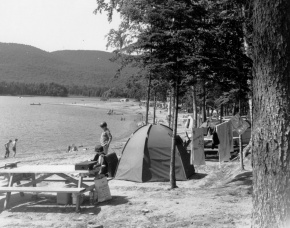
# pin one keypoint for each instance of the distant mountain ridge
(24, 63)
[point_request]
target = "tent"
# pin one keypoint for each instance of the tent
(189, 121)
(146, 156)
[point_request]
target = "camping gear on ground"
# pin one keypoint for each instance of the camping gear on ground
(225, 135)
(74, 198)
(102, 189)
(85, 165)
(65, 198)
(147, 153)
(197, 154)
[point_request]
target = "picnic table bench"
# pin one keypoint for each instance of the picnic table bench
(10, 165)
(46, 171)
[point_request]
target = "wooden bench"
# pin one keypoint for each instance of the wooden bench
(8, 190)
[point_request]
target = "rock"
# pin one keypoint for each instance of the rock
(145, 211)
(177, 202)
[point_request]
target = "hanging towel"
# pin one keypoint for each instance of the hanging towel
(238, 124)
(197, 155)
(225, 135)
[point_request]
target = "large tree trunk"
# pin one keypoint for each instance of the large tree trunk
(271, 101)
(148, 99)
(173, 144)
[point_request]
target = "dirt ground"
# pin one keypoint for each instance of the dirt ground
(215, 196)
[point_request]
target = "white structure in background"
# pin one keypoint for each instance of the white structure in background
(124, 100)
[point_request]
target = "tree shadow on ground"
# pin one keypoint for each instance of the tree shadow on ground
(243, 179)
(115, 201)
(198, 176)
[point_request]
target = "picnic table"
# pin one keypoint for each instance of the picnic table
(67, 173)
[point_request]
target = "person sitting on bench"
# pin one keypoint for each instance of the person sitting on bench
(99, 157)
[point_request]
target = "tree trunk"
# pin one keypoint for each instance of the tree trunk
(251, 111)
(170, 109)
(154, 109)
(203, 102)
(221, 113)
(173, 144)
(194, 107)
(234, 109)
(194, 116)
(271, 114)
(148, 99)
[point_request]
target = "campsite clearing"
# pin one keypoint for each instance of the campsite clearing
(214, 197)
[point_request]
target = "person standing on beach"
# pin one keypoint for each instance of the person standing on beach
(106, 137)
(7, 147)
(14, 147)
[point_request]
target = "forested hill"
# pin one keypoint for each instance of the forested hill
(27, 64)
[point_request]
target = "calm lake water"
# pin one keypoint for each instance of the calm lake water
(54, 125)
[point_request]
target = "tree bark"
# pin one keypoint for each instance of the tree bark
(148, 99)
(170, 109)
(251, 110)
(194, 117)
(221, 113)
(154, 109)
(173, 144)
(203, 102)
(194, 107)
(271, 114)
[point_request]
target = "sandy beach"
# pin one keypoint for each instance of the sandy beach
(215, 197)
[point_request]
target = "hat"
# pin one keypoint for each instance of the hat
(103, 124)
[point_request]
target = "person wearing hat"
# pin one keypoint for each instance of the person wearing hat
(7, 147)
(106, 137)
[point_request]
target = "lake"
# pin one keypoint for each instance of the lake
(56, 123)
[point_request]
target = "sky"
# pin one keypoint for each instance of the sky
(54, 24)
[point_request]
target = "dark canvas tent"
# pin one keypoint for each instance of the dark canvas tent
(146, 156)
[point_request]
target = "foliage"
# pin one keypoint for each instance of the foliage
(26, 64)
(42, 89)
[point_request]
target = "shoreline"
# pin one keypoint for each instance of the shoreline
(86, 150)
